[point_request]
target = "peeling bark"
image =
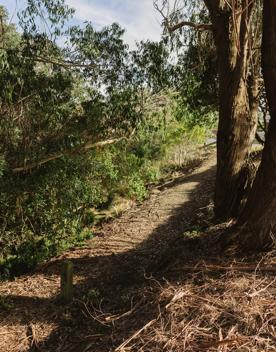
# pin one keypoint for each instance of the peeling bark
(257, 223)
(237, 113)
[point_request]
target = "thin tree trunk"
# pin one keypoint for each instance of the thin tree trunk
(237, 116)
(257, 224)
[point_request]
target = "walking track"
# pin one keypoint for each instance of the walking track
(107, 270)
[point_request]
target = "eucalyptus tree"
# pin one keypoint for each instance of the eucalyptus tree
(235, 27)
(257, 224)
(151, 66)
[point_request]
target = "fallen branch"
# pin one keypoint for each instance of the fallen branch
(63, 63)
(84, 147)
(113, 318)
(268, 268)
(124, 344)
(208, 145)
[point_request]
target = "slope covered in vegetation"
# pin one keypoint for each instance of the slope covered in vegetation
(82, 125)
(91, 131)
(154, 279)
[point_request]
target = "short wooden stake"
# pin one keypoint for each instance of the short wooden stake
(66, 282)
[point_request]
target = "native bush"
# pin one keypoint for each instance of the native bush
(79, 127)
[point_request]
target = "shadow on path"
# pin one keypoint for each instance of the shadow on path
(112, 280)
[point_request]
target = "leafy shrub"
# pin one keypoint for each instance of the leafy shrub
(51, 183)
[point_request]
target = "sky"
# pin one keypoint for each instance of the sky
(139, 18)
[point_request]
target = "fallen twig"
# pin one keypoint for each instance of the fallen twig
(124, 344)
(268, 268)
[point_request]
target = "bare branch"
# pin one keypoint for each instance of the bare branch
(171, 28)
(82, 148)
(61, 63)
(67, 64)
(86, 146)
(197, 26)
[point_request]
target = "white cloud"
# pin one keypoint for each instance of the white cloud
(138, 17)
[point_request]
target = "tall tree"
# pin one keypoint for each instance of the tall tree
(257, 223)
(232, 26)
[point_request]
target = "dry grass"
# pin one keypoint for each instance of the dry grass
(209, 304)
(211, 311)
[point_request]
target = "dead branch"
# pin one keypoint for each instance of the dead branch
(79, 149)
(65, 64)
(61, 63)
(124, 344)
(86, 146)
(219, 268)
(259, 138)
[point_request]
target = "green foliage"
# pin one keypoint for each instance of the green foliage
(40, 14)
(40, 214)
(51, 209)
(55, 103)
(151, 65)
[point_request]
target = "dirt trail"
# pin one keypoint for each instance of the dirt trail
(147, 229)
(112, 264)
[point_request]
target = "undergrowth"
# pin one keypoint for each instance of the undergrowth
(54, 207)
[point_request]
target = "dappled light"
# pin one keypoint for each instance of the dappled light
(137, 176)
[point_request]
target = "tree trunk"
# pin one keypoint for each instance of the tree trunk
(237, 116)
(257, 224)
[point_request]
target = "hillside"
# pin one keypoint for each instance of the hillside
(152, 280)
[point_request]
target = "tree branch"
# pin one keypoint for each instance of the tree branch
(61, 63)
(172, 28)
(67, 64)
(197, 26)
(82, 148)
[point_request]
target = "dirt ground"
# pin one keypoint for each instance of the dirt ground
(145, 283)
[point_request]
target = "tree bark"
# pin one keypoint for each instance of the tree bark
(257, 223)
(237, 109)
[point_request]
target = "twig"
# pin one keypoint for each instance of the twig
(222, 343)
(113, 318)
(251, 295)
(268, 268)
(33, 337)
(124, 344)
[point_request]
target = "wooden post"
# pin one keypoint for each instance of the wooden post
(66, 282)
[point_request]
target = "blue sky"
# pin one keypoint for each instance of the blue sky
(138, 17)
